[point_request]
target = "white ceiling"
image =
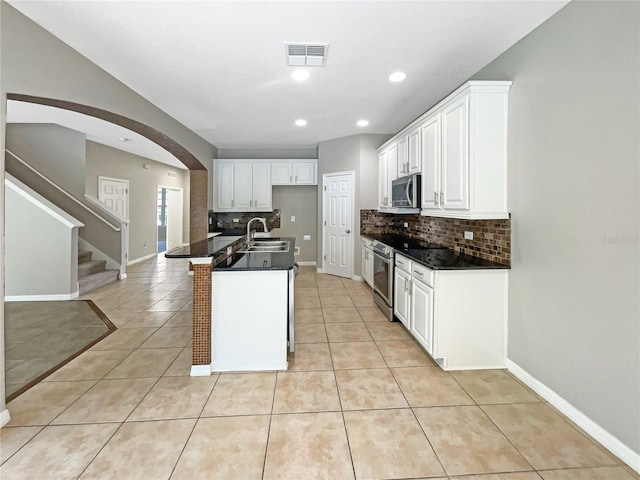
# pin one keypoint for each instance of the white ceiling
(219, 66)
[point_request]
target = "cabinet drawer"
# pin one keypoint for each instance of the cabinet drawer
(403, 264)
(423, 274)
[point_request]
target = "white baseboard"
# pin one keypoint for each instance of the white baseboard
(615, 446)
(307, 264)
(41, 298)
(4, 417)
(357, 278)
(200, 370)
(141, 259)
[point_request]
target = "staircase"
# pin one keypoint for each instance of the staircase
(92, 273)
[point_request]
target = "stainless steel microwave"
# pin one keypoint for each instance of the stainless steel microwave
(405, 192)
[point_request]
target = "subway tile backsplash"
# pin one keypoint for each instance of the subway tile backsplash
(491, 238)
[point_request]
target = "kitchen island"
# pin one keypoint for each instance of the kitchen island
(243, 311)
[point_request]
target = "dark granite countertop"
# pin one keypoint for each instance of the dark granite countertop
(432, 255)
(238, 261)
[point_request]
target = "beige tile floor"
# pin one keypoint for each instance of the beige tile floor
(360, 400)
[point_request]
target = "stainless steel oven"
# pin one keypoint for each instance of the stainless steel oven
(383, 259)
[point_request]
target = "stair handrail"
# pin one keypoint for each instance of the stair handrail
(62, 190)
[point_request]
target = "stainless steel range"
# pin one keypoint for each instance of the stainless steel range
(383, 262)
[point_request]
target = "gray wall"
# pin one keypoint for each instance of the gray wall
(299, 201)
(56, 152)
(353, 153)
(574, 195)
(110, 162)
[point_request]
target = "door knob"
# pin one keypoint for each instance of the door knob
(348, 231)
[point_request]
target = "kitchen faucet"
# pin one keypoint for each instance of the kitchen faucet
(264, 223)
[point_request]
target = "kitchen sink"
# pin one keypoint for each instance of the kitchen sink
(267, 246)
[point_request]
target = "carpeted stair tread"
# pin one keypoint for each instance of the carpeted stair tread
(97, 280)
(84, 256)
(94, 266)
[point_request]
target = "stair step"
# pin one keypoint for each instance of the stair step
(94, 266)
(84, 256)
(97, 280)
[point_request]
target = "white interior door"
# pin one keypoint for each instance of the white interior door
(114, 193)
(174, 218)
(338, 228)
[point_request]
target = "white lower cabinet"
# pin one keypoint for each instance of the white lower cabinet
(402, 296)
(458, 316)
(422, 314)
(367, 264)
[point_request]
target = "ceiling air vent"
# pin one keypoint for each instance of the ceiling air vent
(302, 54)
(171, 174)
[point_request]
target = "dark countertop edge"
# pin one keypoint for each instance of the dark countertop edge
(489, 266)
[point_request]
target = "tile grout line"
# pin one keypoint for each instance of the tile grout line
(266, 446)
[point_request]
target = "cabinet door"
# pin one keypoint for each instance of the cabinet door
(455, 155)
(370, 267)
(304, 173)
(365, 265)
(402, 157)
(414, 163)
(422, 314)
(392, 170)
(281, 173)
(431, 161)
(383, 188)
(243, 186)
(261, 186)
(401, 296)
(224, 185)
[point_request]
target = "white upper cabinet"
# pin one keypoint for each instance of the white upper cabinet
(383, 184)
(460, 148)
(242, 186)
(402, 157)
(294, 172)
(414, 157)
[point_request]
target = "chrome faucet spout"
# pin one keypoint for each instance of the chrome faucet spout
(264, 224)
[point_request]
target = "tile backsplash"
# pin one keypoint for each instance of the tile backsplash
(222, 221)
(491, 238)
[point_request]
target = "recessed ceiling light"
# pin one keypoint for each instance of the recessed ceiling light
(301, 122)
(362, 123)
(397, 77)
(300, 75)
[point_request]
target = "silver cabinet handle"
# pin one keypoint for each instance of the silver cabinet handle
(441, 198)
(296, 179)
(435, 198)
(290, 179)
(232, 203)
(419, 273)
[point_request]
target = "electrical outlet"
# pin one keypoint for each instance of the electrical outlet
(468, 235)
(236, 220)
(229, 250)
(293, 218)
(306, 237)
(146, 244)
(296, 250)
(406, 225)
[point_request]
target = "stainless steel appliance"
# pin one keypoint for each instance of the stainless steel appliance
(405, 192)
(383, 260)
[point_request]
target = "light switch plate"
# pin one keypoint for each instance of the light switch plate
(406, 225)
(306, 237)
(236, 220)
(468, 235)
